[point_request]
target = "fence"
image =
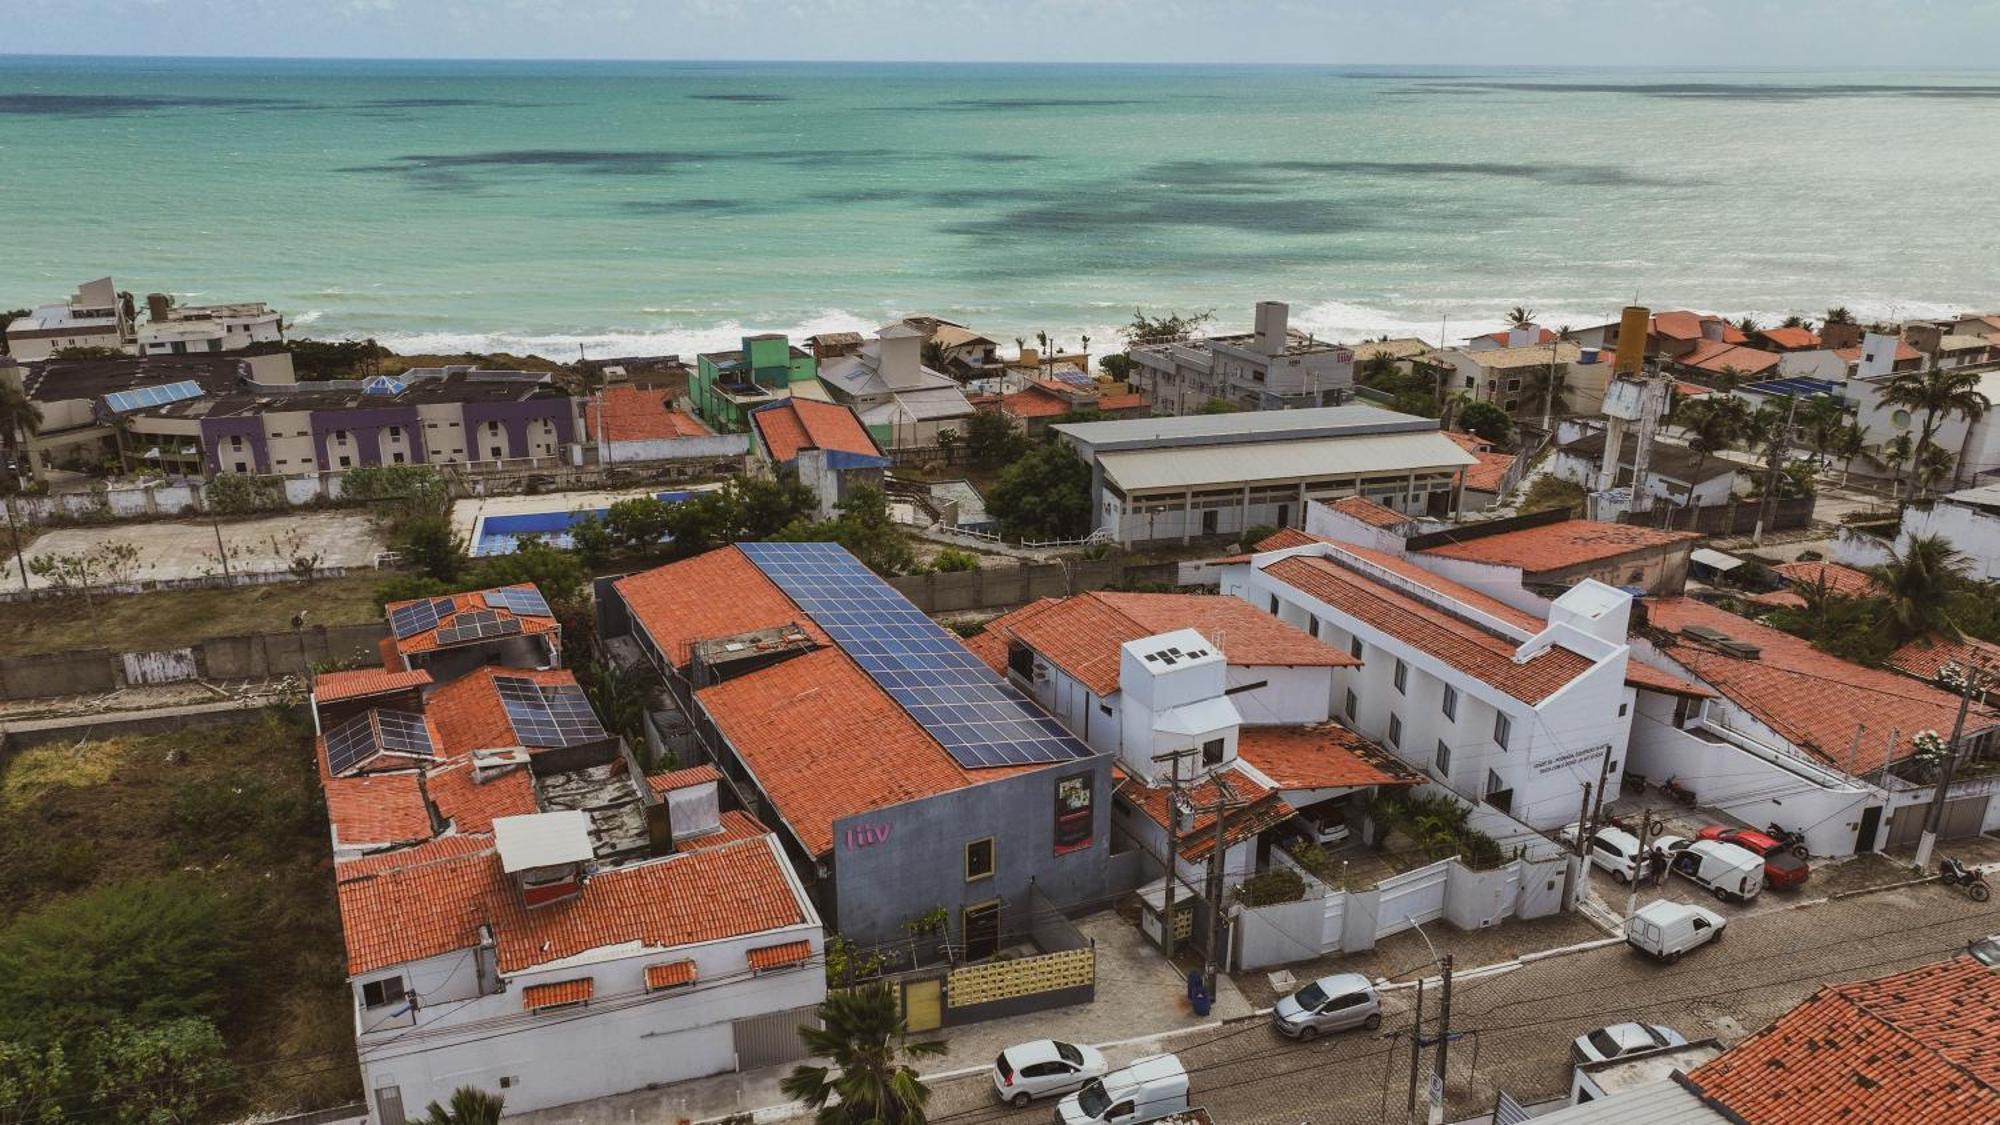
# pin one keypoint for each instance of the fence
(239, 577)
(1738, 517)
(995, 587)
(254, 656)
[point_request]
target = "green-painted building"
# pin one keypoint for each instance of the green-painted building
(727, 386)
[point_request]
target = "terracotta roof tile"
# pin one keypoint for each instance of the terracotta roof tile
(1490, 472)
(1285, 537)
(717, 594)
(1791, 339)
(1261, 810)
(1680, 324)
(1082, 634)
(1840, 581)
(1915, 1046)
(471, 805)
(555, 994)
(374, 809)
(1369, 512)
(332, 687)
(1555, 546)
(683, 778)
(1925, 658)
(779, 956)
(824, 742)
(669, 974)
(1640, 674)
(1717, 356)
(1904, 353)
(427, 640)
(467, 713)
(736, 825)
(433, 901)
(627, 413)
(1035, 402)
(1811, 698)
(1322, 756)
(1460, 644)
(801, 423)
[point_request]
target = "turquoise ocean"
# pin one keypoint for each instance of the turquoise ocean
(654, 207)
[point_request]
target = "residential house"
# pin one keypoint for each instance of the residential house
(1789, 338)
(1716, 359)
(1674, 473)
(961, 352)
(1968, 519)
(172, 329)
(1508, 377)
(1548, 549)
(904, 404)
(728, 385)
(905, 776)
(1040, 402)
(1836, 580)
(626, 423)
(97, 315)
(1514, 336)
(1797, 736)
(1670, 334)
(832, 345)
(451, 634)
(824, 443)
(1158, 479)
(1486, 481)
(1268, 368)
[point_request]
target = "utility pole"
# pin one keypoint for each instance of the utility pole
(1444, 1047)
(1175, 803)
(1225, 801)
(1416, 1054)
(1581, 869)
(221, 552)
(1934, 819)
(1603, 783)
(1784, 443)
(1641, 863)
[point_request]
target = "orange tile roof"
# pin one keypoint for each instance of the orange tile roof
(1262, 809)
(1904, 353)
(1812, 699)
(1556, 546)
(682, 778)
(717, 594)
(1491, 470)
(1542, 336)
(557, 993)
(1130, 400)
(1284, 538)
(802, 423)
(1680, 324)
(1840, 581)
(467, 714)
(381, 808)
(1718, 356)
(1693, 390)
(1916, 1046)
(1409, 571)
(426, 641)
(1791, 339)
(1460, 644)
(736, 825)
(1037, 402)
(1929, 656)
(471, 805)
(1640, 674)
(779, 956)
(1369, 512)
(1082, 634)
(429, 901)
(669, 974)
(332, 687)
(1321, 756)
(824, 742)
(627, 413)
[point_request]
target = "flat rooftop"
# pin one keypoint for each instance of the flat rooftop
(1249, 427)
(1168, 466)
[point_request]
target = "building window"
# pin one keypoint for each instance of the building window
(1352, 704)
(382, 993)
(979, 860)
(1021, 661)
(1274, 605)
(492, 427)
(1211, 752)
(397, 458)
(340, 436)
(1622, 708)
(1402, 678)
(346, 462)
(1105, 708)
(1503, 729)
(1354, 648)
(1443, 759)
(1395, 730)
(1312, 627)
(395, 432)
(235, 441)
(496, 453)
(1451, 703)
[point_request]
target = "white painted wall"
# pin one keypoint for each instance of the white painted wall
(1975, 533)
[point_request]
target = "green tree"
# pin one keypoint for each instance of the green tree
(328, 359)
(1422, 404)
(161, 1074)
(433, 545)
(146, 950)
(638, 524)
(1548, 384)
(991, 439)
(1711, 425)
(593, 542)
(32, 1080)
(1487, 421)
(1218, 406)
(1938, 395)
(9, 316)
(865, 529)
(621, 694)
(867, 1079)
(1381, 372)
(1844, 444)
(1520, 316)
(745, 509)
(20, 419)
(951, 560)
(1044, 495)
(470, 1105)
(948, 443)
(1146, 329)
(1118, 365)
(1918, 583)
(1934, 463)
(557, 573)
(1839, 315)
(409, 587)
(1894, 454)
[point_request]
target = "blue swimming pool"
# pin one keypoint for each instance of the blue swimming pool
(499, 535)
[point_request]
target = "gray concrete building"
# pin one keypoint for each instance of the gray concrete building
(1270, 367)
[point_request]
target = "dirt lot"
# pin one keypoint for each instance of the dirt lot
(170, 618)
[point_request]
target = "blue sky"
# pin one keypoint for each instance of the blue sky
(1755, 33)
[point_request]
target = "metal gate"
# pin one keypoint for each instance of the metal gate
(923, 1004)
(770, 1040)
(1962, 818)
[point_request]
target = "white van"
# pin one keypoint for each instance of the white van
(1667, 929)
(1149, 1089)
(1727, 870)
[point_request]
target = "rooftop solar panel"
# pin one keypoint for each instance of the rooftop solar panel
(476, 625)
(979, 718)
(526, 602)
(139, 398)
(360, 739)
(409, 620)
(548, 714)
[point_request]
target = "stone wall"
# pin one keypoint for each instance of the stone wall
(255, 656)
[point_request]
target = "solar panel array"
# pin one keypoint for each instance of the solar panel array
(383, 385)
(526, 602)
(548, 714)
(477, 625)
(409, 620)
(142, 397)
(979, 718)
(363, 737)
(1794, 385)
(1073, 377)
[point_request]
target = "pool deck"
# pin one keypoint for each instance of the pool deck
(466, 514)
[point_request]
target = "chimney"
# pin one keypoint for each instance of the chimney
(900, 357)
(1271, 322)
(157, 305)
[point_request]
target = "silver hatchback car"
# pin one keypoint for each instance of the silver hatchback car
(1333, 1003)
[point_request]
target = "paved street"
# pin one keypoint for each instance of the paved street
(1522, 1021)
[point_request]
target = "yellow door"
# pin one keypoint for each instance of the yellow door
(923, 1004)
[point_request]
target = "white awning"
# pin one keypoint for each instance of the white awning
(1714, 560)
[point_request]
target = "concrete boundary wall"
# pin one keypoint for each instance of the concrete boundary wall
(995, 587)
(255, 656)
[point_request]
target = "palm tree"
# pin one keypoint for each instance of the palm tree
(20, 417)
(1844, 444)
(1839, 315)
(1711, 425)
(1893, 454)
(869, 1081)
(1821, 420)
(1520, 316)
(1918, 583)
(1934, 463)
(1730, 378)
(1749, 326)
(1796, 321)
(1938, 394)
(1550, 383)
(470, 1105)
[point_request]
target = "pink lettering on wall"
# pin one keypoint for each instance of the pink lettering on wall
(865, 835)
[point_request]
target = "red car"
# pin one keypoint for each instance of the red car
(1783, 871)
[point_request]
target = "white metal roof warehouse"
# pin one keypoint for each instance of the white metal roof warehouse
(1200, 475)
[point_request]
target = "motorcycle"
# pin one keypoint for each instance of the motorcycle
(1955, 874)
(1787, 838)
(1673, 788)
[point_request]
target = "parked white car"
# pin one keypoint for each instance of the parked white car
(1621, 1039)
(1613, 849)
(1667, 929)
(1334, 1003)
(1027, 1071)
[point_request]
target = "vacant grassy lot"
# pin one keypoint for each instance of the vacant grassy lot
(234, 810)
(171, 618)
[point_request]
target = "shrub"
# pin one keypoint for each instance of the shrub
(952, 559)
(408, 587)
(1256, 534)
(390, 482)
(557, 573)
(162, 1073)
(239, 494)
(1268, 888)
